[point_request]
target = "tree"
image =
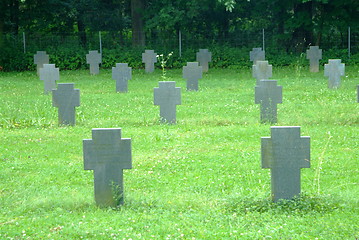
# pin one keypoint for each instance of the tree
(138, 33)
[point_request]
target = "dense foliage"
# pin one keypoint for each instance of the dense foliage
(290, 27)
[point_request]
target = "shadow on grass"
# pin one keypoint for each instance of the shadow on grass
(301, 205)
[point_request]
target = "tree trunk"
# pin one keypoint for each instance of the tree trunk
(321, 16)
(138, 33)
(14, 16)
(302, 35)
(82, 32)
(3, 7)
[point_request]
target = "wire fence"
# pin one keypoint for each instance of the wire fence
(347, 40)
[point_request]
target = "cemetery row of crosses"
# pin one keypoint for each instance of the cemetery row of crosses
(285, 152)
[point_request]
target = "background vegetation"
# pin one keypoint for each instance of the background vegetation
(198, 179)
(67, 29)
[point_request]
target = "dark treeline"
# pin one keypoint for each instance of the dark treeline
(294, 23)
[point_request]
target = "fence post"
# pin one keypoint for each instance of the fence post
(180, 43)
(349, 42)
(263, 38)
(99, 36)
(24, 41)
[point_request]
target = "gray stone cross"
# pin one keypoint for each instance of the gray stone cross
(94, 58)
(257, 54)
(121, 73)
(167, 95)
(314, 54)
(285, 153)
(268, 95)
(149, 58)
(66, 98)
(107, 154)
(192, 72)
(261, 70)
(40, 58)
(204, 57)
(334, 70)
(49, 74)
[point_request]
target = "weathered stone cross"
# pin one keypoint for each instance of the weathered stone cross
(167, 95)
(192, 72)
(149, 57)
(94, 58)
(66, 98)
(314, 54)
(257, 54)
(204, 57)
(334, 70)
(261, 70)
(121, 73)
(285, 153)
(49, 74)
(268, 95)
(40, 58)
(107, 154)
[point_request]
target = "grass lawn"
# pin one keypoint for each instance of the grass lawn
(198, 179)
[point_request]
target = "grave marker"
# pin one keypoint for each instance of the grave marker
(285, 153)
(66, 98)
(204, 57)
(107, 154)
(40, 58)
(167, 95)
(192, 72)
(49, 74)
(334, 70)
(121, 73)
(314, 54)
(268, 95)
(261, 70)
(257, 54)
(94, 58)
(149, 57)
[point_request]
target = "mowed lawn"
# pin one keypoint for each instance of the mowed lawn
(198, 179)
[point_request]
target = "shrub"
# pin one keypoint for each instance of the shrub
(223, 56)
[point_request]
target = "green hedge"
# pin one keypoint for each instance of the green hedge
(222, 57)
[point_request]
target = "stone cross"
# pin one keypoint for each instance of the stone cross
(94, 58)
(257, 54)
(49, 74)
(261, 70)
(285, 153)
(268, 95)
(40, 58)
(192, 72)
(167, 95)
(66, 98)
(149, 57)
(107, 154)
(334, 70)
(204, 57)
(121, 73)
(314, 54)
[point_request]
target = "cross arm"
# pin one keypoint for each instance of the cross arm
(126, 153)
(76, 98)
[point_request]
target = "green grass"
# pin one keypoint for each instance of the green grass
(198, 179)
